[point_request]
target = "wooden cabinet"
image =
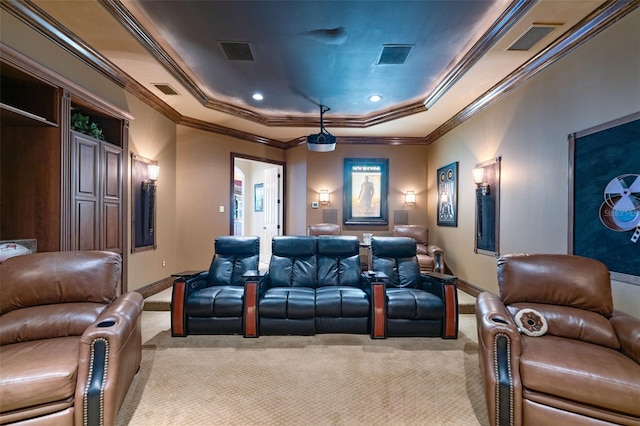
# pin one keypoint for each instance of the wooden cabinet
(65, 189)
(30, 152)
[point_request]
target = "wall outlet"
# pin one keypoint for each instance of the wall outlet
(164, 263)
(221, 209)
(314, 204)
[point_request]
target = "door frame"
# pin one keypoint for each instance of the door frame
(236, 155)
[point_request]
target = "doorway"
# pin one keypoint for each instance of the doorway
(257, 200)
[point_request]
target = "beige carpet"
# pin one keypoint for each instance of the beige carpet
(331, 379)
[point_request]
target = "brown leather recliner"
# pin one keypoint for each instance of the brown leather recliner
(430, 257)
(69, 346)
(552, 349)
(323, 229)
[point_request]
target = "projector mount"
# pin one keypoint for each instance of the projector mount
(323, 141)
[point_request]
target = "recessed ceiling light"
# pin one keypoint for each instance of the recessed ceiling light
(258, 96)
(375, 98)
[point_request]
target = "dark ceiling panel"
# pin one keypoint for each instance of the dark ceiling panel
(308, 53)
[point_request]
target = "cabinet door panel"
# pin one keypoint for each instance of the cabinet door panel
(112, 161)
(86, 235)
(87, 155)
(112, 230)
(111, 198)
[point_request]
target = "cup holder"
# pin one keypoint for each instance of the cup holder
(105, 324)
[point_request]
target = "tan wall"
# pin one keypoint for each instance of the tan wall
(203, 184)
(407, 171)
(528, 127)
(153, 136)
(296, 217)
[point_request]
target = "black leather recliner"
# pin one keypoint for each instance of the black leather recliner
(342, 297)
(314, 285)
(213, 302)
(412, 304)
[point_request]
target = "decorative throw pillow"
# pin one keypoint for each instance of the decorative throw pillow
(572, 323)
(531, 322)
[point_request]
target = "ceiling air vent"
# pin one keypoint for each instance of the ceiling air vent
(533, 35)
(237, 51)
(394, 54)
(165, 88)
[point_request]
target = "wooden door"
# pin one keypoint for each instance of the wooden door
(97, 193)
(272, 212)
(85, 192)
(111, 223)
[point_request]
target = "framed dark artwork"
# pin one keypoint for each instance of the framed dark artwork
(447, 177)
(604, 196)
(143, 206)
(258, 197)
(366, 191)
(487, 225)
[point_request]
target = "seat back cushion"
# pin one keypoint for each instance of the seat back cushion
(48, 321)
(233, 257)
(555, 279)
(323, 229)
(417, 232)
(572, 323)
(293, 262)
(59, 277)
(396, 257)
(338, 261)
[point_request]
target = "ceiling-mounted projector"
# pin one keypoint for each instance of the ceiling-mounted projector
(323, 141)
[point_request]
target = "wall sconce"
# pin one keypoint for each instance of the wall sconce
(410, 198)
(324, 197)
(478, 178)
(154, 171)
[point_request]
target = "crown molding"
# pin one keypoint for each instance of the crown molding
(228, 131)
(364, 140)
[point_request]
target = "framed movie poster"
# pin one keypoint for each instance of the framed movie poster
(448, 195)
(604, 196)
(366, 187)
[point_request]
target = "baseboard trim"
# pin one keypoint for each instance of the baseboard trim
(155, 287)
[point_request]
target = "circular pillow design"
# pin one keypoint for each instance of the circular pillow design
(531, 322)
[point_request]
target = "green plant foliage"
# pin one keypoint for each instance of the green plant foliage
(80, 123)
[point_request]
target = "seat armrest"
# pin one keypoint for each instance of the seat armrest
(109, 357)
(627, 329)
(251, 294)
(438, 257)
(183, 286)
(378, 307)
(499, 350)
(445, 287)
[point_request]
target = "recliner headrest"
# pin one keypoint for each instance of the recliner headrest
(234, 245)
(557, 279)
(293, 245)
(334, 245)
(397, 247)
